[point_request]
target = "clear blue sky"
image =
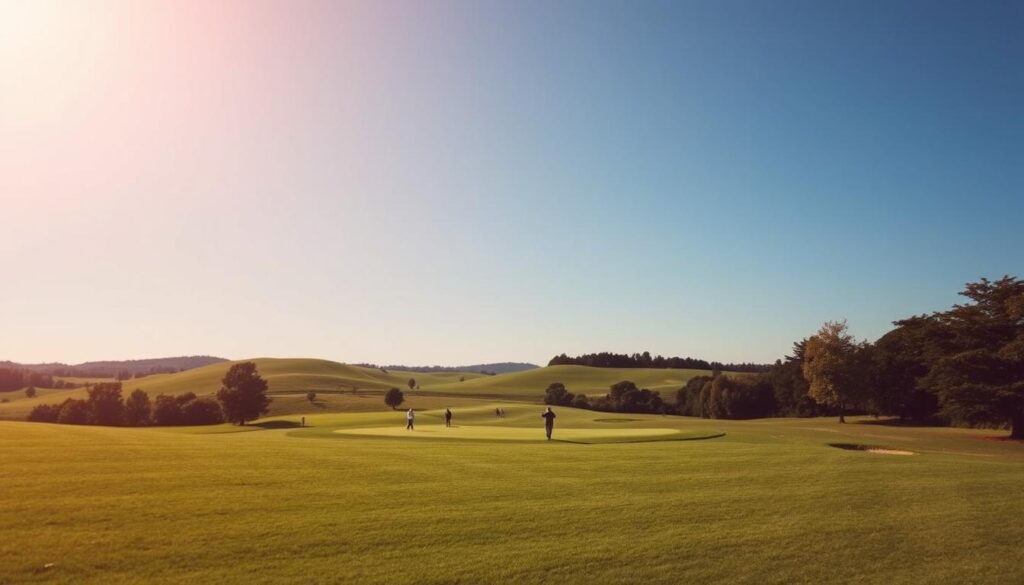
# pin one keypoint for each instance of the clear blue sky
(437, 182)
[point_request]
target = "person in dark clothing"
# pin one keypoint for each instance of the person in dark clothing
(447, 417)
(549, 421)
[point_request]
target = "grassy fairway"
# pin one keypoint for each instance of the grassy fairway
(768, 502)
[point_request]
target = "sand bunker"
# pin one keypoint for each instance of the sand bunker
(870, 449)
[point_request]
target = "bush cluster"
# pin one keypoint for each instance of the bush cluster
(626, 397)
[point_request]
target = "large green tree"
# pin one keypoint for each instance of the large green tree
(833, 366)
(105, 405)
(137, 409)
(789, 385)
(899, 359)
(978, 373)
(243, 394)
(73, 412)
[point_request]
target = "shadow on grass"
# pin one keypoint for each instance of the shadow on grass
(278, 424)
(870, 448)
(895, 422)
(849, 446)
(650, 440)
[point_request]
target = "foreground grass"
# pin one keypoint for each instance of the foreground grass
(769, 502)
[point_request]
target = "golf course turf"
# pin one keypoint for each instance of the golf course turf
(355, 498)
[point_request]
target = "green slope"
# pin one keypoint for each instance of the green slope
(530, 385)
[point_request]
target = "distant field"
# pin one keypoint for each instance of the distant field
(334, 383)
(632, 499)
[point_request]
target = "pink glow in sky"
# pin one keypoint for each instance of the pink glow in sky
(468, 182)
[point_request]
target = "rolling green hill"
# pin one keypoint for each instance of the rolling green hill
(285, 376)
(291, 378)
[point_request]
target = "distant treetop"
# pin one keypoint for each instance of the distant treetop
(644, 360)
(490, 369)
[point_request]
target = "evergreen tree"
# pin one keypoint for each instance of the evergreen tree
(979, 372)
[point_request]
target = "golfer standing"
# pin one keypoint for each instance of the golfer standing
(549, 421)
(447, 417)
(410, 418)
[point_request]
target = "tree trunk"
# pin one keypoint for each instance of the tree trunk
(1017, 427)
(842, 419)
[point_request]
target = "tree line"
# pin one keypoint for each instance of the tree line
(492, 369)
(623, 396)
(15, 378)
(242, 397)
(606, 359)
(121, 370)
(962, 366)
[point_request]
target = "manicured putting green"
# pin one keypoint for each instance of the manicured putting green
(507, 433)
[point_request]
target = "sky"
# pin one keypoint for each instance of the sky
(465, 182)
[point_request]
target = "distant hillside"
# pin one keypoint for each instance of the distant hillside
(497, 368)
(357, 388)
(121, 368)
